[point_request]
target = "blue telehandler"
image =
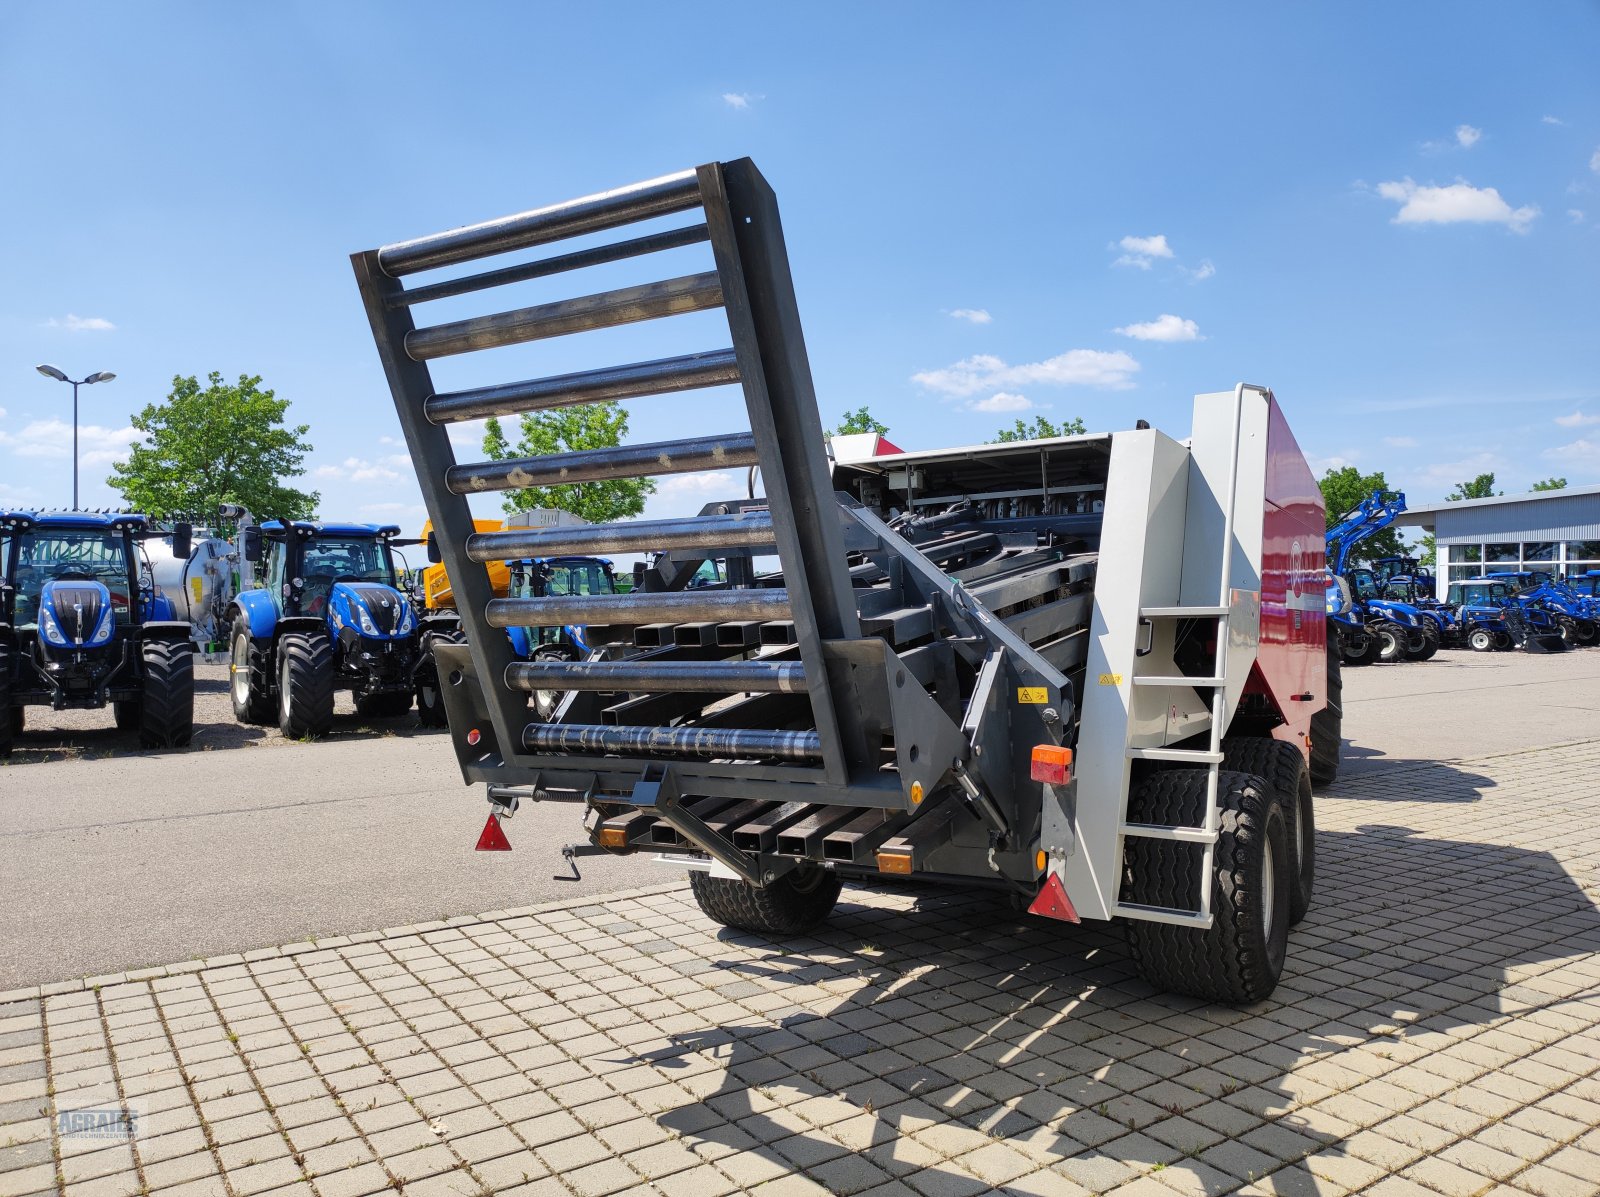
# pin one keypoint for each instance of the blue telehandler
(82, 624)
(331, 616)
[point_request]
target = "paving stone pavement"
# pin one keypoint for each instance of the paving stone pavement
(1436, 1033)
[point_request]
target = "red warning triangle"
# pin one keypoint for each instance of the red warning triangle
(493, 839)
(1052, 901)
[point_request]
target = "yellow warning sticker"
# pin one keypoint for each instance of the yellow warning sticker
(1111, 679)
(1033, 695)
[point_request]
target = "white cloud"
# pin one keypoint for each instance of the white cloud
(97, 444)
(356, 469)
(469, 435)
(740, 99)
(686, 494)
(1165, 327)
(1577, 420)
(1076, 367)
(973, 315)
(1579, 450)
(1443, 477)
(81, 324)
(1002, 401)
(1321, 465)
(1460, 202)
(2, 413)
(1594, 162)
(1575, 215)
(1552, 120)
(1141, 251)
(1467, 136)
(1400, 442)
(1203, 271)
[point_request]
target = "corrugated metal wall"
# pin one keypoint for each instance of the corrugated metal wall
(1560, 517)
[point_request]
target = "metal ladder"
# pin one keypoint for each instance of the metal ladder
(1210, 757)
(751, 283)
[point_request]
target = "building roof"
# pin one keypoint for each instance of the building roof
(1426, 516)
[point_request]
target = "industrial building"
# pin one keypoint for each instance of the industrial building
(1556, 530)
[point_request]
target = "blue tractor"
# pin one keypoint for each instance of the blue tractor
(83, 625)
(1401, 630)
(1406, 571)
(1572, 613)
(539, 577)
(331, 616)
(1481, 601)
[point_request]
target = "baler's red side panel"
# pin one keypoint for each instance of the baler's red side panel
(1291, 660)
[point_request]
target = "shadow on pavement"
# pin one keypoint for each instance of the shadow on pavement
(1006, 1028)
(1404, 780)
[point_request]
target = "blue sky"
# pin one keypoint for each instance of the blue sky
(1388, 213)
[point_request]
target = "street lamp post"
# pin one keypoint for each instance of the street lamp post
(99, 376)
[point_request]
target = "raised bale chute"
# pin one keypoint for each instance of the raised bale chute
(1082, 670)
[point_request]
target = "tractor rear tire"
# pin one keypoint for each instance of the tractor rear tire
(430, 690)
(1327, 725)
(1240, 957)
(252, 702)
(166, 709)
(10, 717)
(305, 685)
(1586, 631)
(1281, 765)
(794, 903)
(1367, 654)
(1394, 642)
(1480, 640)
(383, 706)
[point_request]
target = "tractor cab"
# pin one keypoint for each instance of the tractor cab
(1526, 579)
(304, 561)
(1406, 570)
(1478, 592)
(82, 623)
(557, 576)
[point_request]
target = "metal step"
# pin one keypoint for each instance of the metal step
(687, 456)
(1163, 914)
(1180, 680)
(1183, 612)
(1194, 756)
(749, 530)
(1182, 835)
(708, 677)
(677, 606)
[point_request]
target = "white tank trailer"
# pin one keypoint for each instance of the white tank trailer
(200, 586)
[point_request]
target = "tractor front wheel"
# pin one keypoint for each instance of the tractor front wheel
(1239, 958)
(1430, 642)
(1394, 644)
(545, 702)
(252, 702)
(1480, 640)
(430, 694)
(305, 685)
(166, 709)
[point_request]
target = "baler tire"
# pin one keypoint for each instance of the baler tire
(1240, 957)
(10, 724)
(430, 692)
(252, 703)
(305, 685)
(1281, 765)
(1393, 640)
(1480, 640)
(1327, 728)
(793, 904)
(166, 708)
(383, 706)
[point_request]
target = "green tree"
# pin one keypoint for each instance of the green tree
(860, 420)
(564, 430)
(1428, 551)
(1481, 487)
(1040, 429)
(1551, 484)
(215, 444)
(1342, 492)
